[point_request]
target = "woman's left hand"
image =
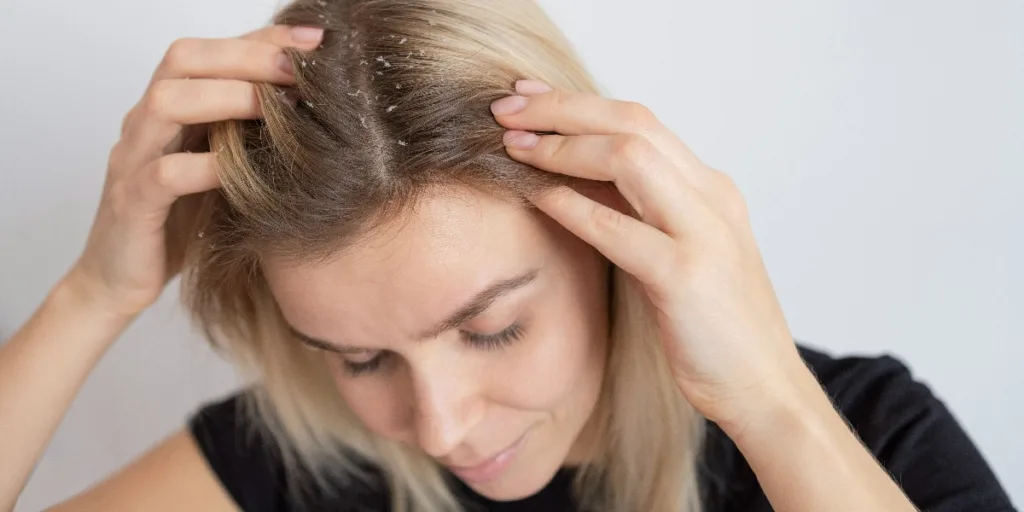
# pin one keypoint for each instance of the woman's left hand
(692, 246)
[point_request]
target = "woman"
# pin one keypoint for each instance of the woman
(456, 287)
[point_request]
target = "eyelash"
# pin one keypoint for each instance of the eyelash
(483, 341)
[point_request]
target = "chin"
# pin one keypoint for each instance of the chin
(517, 483)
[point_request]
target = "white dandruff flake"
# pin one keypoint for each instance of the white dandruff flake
(201, 233)
(362, 120)
(401, 143)
(323, 3)
(380, 72)
(392, 107)
(404, 39)
(303, 63)
(355, 93)
(363, 62)
(398, 86)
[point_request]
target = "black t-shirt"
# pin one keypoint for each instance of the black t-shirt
(904, 425)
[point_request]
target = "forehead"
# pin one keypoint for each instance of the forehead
(413, 272)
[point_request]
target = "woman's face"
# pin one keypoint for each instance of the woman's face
(474, 329)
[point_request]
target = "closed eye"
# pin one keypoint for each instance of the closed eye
(494, 341)
(498, 340)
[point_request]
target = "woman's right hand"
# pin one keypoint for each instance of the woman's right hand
(125, 264)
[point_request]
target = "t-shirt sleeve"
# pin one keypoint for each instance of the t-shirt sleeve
(238, 454)
(912, 433)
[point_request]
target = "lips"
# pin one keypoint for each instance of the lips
(492, 467)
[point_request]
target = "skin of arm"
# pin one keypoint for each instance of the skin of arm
(127, 263)
(806, 457)
(42, 368)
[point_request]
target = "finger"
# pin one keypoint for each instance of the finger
(573, 113)
(156, 186)
(225, 58)
(170, 104)
(201, 101)
(288, 36)
(634, 246)
(647, 179)
(577, 113)
(255, 56)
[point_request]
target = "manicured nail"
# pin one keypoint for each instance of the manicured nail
(285, 63)
(509, 105)
(520, 140)
(307, 34)
(532, 87)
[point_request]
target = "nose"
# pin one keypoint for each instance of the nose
(446, 410)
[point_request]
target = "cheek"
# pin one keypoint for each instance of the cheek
(561, 357)
(373, 401)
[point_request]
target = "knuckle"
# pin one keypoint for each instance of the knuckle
(126, 121)
(157, 100)
(551, 149)
(730, 197)
(606, 220)
(179, 52)
(634, 152)
(116, 154)
(161, 172)
(639, 115)
(559, 98)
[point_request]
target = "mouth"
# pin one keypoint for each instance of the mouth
(490, 468)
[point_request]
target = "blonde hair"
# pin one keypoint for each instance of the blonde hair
(395, 101)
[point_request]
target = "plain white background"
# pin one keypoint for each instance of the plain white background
(880, 145)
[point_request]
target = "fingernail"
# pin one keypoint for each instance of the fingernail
(509, 105)
(531, 87)
(286, 64)
(520, 139)
(307, 34)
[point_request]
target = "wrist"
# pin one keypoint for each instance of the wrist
(77, 292)
(795, 439)
(794, 405)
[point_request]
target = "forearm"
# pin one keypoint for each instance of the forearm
(42, 368)
(807, 458)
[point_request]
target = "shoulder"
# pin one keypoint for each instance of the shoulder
(900, 420)
(239, 453)
(170, 476)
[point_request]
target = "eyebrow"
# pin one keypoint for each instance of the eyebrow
(471, 309)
